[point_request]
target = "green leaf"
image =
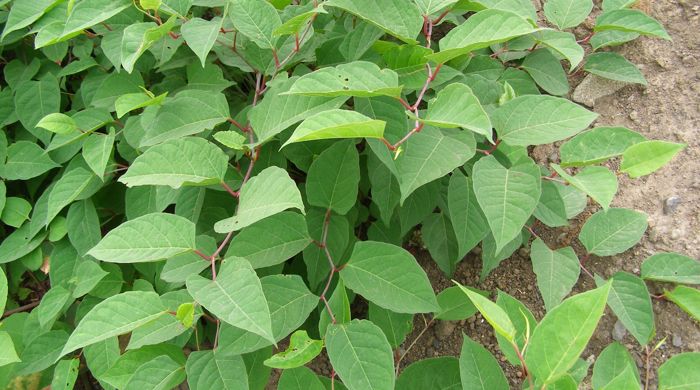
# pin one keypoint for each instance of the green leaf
(428, 7)
(687, 298)
(138, 37)
(301, 350)
(598, 182)
(24, 13)
(438, 236)
(270, 192)
(16, 211)
(83, 226)
(201, 35)
(539, 119)
(3, 290)
(614, 231)
(431, 154)
(563, 43)
(114, 316)
(100, 356)
(567, 13)
(298, 22)
(58, 123)
(35, 100)
(547, 71)
(552, 209)
(563, 334)
(300, 378)
(97, 149)
(272, 240)
(65, 374)
(454, 306)
(361, 355)
(396, 283)
(74, 184)
(493, 313)
(333, 124)
(671, 267)
(231, 139)
(479, 369)
(612, 363)
(26, 160)
(185, 314)
(42, 351)
(133, 101)
(609, 38)
(629, 300)
(151, 237)
(8, 354)
(236, 297)
(467, 219)
(523, 322)
(439, 373)
(184, 161)
(557, 272)
(256, 19)
(401, 19)
(481, 30)
(88, 13)
(597, 145)
(646, 157)
(127, 365)
(396, 326)
(614, 67)
(457, 106)
(161, 373)
(524, 8)
(52, 304)
(508, 197)
(679, 372)
(359, 78)
(333, 178)
(630, 20)
(212, 370)
(340, 306)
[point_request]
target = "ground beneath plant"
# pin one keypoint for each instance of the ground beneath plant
(668, 109)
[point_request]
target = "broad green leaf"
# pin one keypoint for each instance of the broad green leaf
(479, 369)
(42, 350)
(439, 238)
(567, 13)
(547, 71)
(298, 22)
(614, 231)
(563, 334)
(524, 8)
(3, 290)
(183, 161)
(212, 370)
(523, 322)
(647, 157)
(88, 13)
(52, 304)
(270, 192)
(161, 373)
(127, 365)
(630, 20)
(100, 356)
(389, 276)
(340, 306)
(256, 19)
(597, 145)
(333, 178)
(481, 30)
(19, 243)
(552, 209)
(612, 363)
(83, 226)
(493, 313)
(35, 100)
(359, 78)
(300, 378)
(671, 267)
(87, 275)
(557, 272)
(430, 154)
(467, 219)
(333, 124)
(401, 19)
(189, 112)
(133, 101)
(539, 119)
(457, 106)
(301, 350)
(258, 374)
(236, 297)
(687, 298)
(26, 160)
(629, 300)
(610, 38)
(428, 7)
(139, 37)
(75, 184)
(272, 240)
(16, 211)
(24, 13)
(614, 67)
(114, 316)
(201, 35)
(597, 182)
(360, 355)
(439, 373)
(609, 5)
(508, 197)
(151, 237)
(58, 123)
(386, 193)
(454, 306)
(679, 372)
(396, 326)
(97, 149)
(65, 374)
(8, 354)
(563, 43)
(338, 240)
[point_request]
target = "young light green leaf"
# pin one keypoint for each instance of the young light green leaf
(26, 160)
(614, 67)
(114, 316)
(231, 139)
(612, 362)
(431, 374)
(201, 35)
(3, 290)
(597, 145)
(479, 369)
(647, 157)
(567, 13)
(396, 326)
(256, 19)
(401, 19)
(630, 20)
(301, 350)
(687, 298)
(671, 267)
(457, 106)
(563, 334)
(396, 282)
(679, 372)
(8, 354)
(359, 78)
(557, 272)
(629, 300)
(598, 182)
(139, 37)
(508, 197)
(213, 370)
(185, 314)
(333, 124)
(333, 178)
(540, 119)
(614, 231)
(58, 123)
(176, 163)
(133, 101)
(547, 71)
(361, 355)
(270, 192)
(298, 22)
(493, 313)
(300, 378)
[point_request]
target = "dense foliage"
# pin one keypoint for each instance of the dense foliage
(186, 183)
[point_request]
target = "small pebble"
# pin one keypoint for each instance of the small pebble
(677, 341)
(524, 252)
(671, 204)
(676, 234)
(436, 344)
(619, 331)
(444, 329)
